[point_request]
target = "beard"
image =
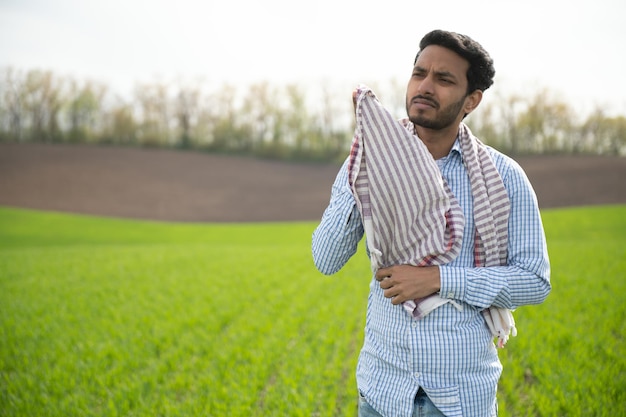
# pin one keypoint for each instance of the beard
(444, 117)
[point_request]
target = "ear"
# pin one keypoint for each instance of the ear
(472, 101)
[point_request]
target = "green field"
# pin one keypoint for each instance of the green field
(107, 317)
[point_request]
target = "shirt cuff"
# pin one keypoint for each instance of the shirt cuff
(453, 282)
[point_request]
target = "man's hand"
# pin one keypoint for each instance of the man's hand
(407, 282)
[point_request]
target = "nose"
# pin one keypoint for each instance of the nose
(426, 86)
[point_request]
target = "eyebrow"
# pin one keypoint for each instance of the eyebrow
(448, 74)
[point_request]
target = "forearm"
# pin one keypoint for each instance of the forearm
(525, 279)
(500, 286)
(337, 236)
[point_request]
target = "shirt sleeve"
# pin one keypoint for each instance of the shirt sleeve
(526, 277)
(337, 236)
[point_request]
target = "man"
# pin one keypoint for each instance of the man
(444, 363)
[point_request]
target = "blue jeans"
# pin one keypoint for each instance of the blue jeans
(423, 407)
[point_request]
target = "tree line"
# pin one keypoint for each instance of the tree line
(281, 122)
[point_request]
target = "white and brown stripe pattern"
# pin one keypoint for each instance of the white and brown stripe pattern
(409, 214)
(491, 202)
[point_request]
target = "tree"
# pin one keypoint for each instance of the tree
(85, 111)
(617, 139)
(228, 134)
(258, 113)
(186, 110)
(41, 100)
(120, 125)
(336, 123)
(546, 124)
(601, 134)
(154, 109)
(12, 104)
(285, 122)
(296, 120)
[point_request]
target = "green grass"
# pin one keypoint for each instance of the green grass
(569, 358)
(109, 317)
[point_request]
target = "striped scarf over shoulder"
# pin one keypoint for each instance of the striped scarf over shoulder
(409, 214)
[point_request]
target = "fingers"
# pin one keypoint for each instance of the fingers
(383, 276)
(395, 300)
(385, 283)
(392, 286)
(392, 293)
(383, 273)
(395, 296)
(390, 289)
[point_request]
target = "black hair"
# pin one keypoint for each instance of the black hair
(480, 72)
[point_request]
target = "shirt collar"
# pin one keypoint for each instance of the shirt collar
(456, 149)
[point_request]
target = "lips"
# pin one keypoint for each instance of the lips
(423, 103)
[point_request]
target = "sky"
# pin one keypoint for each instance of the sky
(573, 48)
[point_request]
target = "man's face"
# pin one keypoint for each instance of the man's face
(437, 91)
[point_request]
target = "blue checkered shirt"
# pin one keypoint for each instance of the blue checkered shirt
(449, 353)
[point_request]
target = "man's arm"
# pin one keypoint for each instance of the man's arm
(337, 236)
(526, 277)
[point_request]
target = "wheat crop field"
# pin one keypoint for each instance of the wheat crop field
(112, 317)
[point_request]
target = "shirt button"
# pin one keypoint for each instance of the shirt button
(414, 324)
(450, 294)
(417, 374)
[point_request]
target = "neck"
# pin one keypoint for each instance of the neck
(439, 142)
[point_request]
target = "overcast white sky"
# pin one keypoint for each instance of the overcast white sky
(574, 48)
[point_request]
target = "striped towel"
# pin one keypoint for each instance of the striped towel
(409, 214)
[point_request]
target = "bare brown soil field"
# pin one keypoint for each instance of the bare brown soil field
(170, 185)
